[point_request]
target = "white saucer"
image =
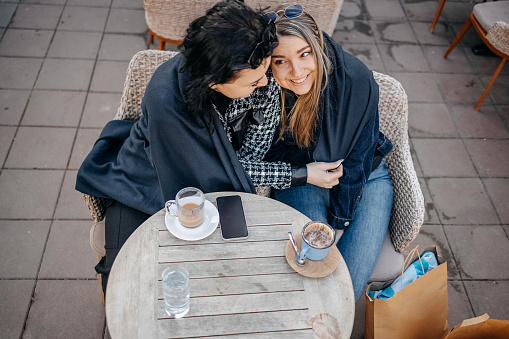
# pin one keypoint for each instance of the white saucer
(209, 225)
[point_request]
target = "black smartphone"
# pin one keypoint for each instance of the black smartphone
(231, 218)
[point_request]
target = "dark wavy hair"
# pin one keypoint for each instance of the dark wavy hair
(219, 44)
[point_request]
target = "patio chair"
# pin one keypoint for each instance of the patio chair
(488, 20)
(408, 207)
(167, 20)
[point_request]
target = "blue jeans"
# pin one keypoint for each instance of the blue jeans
(362, 240)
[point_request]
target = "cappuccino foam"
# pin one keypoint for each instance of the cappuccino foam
(317, 238)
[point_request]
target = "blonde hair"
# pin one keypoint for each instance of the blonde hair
(304, 115)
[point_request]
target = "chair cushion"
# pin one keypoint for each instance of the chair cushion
(97, 238)
(487, 13)
(389, 262)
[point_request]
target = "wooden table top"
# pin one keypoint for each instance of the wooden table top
(241, 289)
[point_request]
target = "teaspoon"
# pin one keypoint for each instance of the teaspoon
(298, 260)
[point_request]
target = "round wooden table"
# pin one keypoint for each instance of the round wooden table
(239, 289)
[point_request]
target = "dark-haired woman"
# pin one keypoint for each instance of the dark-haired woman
(330, 113)
(204, 112)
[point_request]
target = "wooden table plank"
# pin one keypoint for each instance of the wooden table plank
(135, 287)
(207, 287)
(234, 324)
(241, 303)
(237, 267)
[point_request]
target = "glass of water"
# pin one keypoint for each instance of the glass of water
(176, 291)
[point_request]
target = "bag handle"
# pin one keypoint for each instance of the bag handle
(408, 261)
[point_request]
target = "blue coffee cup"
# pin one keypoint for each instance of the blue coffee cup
(317, 238)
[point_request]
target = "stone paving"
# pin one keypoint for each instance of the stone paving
(62, 68)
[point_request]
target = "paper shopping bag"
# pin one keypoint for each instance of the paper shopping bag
(481, 327)
(419, 310)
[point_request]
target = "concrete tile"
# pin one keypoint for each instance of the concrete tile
(430, 213)
(471, 38)
(403, 58)
(36, 16)
(360, 318)
(6, 137)
(393, 32)
(29, 194)
(368, 54)
(421, 11)
(90, 3)
(384, 9)
(25, 42)
(498, 190)
(485, 123)
(54, 108)
(126, 21)
(121, 47)
(125, 4)
(489, 156)
(459, 305)
(85, 140)
(474, 257)
(420, 87)
(456, 62)
(461, 201)
(6, 13)
(499, 90)
(79, 45)
(41, 147)
(15, 298)
(65, 74)
(504, 114)
(458, 11)
(21, 247)
(353, 31)
(109, 76)
(45, 2)
(431, 121)
(352, 10)
(442, 35)
(66, 299)
(460, 88)
(99, 109)
(443, 158)
(489, 297)
(484, 64)
(18, 73)
(70, 202)
(433, 235)
(88, 19)
(13, 103)
(68, 253)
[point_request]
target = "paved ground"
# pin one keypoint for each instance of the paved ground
(62, 66)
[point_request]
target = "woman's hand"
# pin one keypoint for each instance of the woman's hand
(325, 174)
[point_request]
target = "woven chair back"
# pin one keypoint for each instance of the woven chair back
(408, 206)
(325, 12)
(170, 18)
(498, 36)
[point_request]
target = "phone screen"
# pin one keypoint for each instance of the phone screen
(231, 217)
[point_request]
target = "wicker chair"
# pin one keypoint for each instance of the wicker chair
(486, 19)
(325, 12)
(167, 20)
(408, 207)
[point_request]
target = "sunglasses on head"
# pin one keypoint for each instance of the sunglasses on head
(290, 12)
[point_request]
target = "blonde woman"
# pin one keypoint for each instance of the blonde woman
(330, 113)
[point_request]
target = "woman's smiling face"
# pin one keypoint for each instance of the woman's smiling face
(293, 64)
